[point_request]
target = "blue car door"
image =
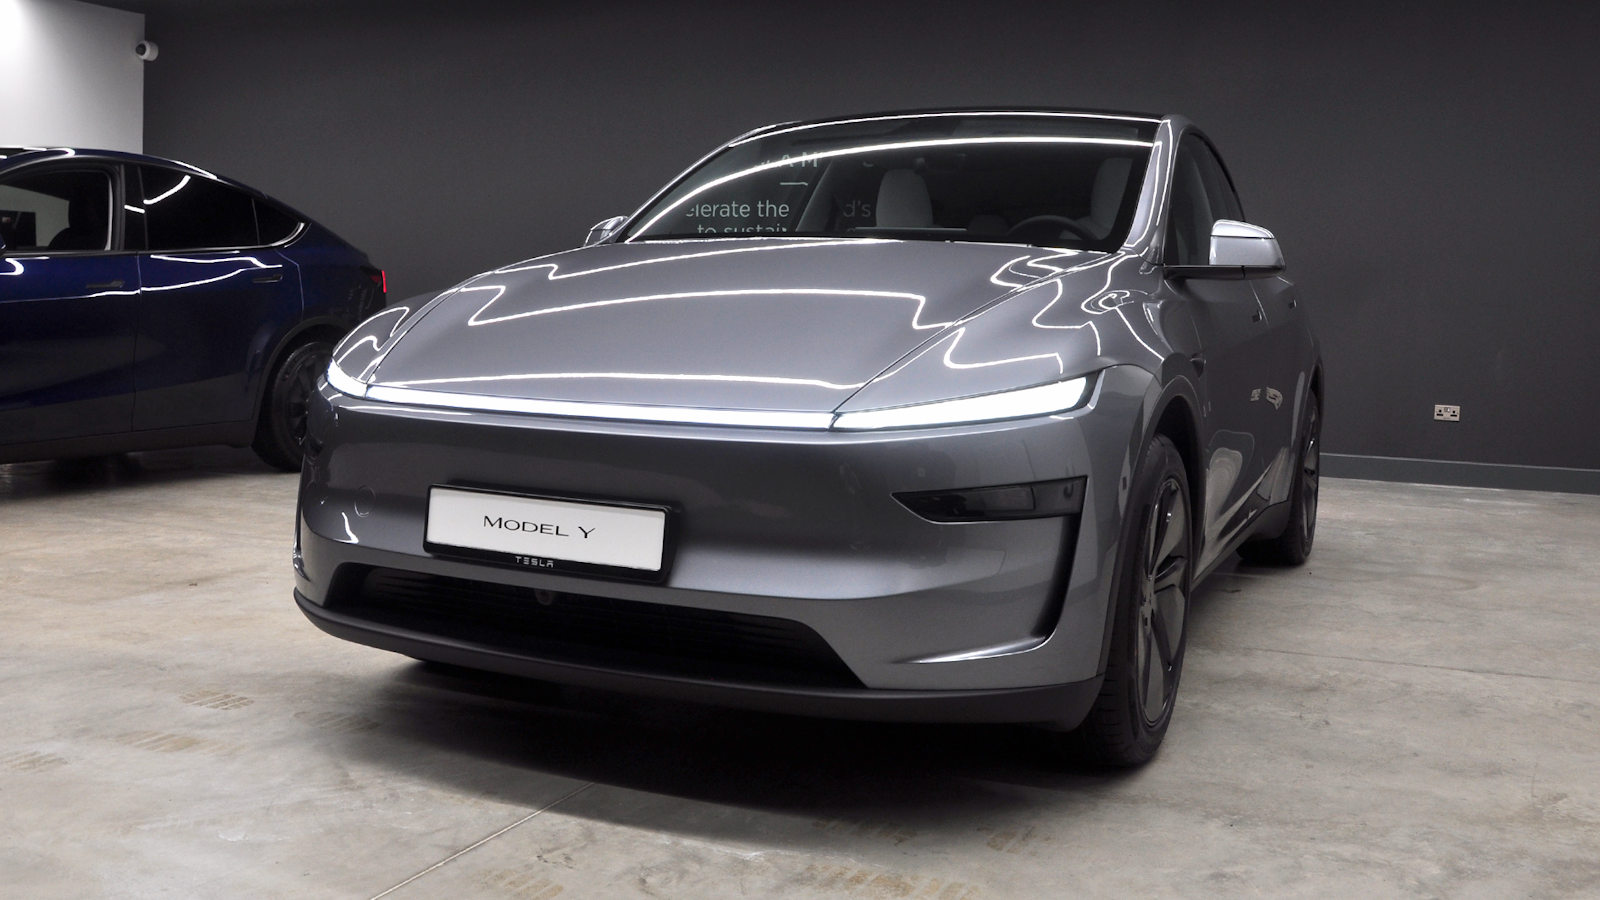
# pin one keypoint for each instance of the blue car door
(215, 301)
(68, 299)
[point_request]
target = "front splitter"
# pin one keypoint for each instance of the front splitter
(1060, 706)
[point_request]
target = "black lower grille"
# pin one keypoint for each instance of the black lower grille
(580, 628)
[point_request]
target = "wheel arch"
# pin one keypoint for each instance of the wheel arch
(309, 330)
(1176, 415)
(1179, 423)
(1173, 412)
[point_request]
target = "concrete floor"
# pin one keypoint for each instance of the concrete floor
(1413, 714)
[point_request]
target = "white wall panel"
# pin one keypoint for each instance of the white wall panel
(69, 77)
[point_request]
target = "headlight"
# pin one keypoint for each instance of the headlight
(1041, 400)
(343, 383)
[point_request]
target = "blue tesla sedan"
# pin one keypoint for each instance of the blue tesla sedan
(147, 303)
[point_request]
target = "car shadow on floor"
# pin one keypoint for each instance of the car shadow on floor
(1217, 593)
(124, 470)
(1228, 593)
(782, 764)
(478, 724)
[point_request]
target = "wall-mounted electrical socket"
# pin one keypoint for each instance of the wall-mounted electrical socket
(1447, 413)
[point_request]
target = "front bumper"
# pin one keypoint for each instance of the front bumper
(1062, 704)
(986, 621)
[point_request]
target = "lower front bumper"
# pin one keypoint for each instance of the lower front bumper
(1059, 705)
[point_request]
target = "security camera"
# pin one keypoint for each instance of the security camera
(146, 50)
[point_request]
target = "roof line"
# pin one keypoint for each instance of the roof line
(1083, 112)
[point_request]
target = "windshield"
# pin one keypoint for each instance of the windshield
(1053, 180)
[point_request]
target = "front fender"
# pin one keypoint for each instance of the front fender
(1171, 407)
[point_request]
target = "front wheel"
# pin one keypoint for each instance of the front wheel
(1148, 634)
(281, 431)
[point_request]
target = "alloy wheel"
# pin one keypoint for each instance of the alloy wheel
(297, 397)
(1163, 600)
(1310, 476)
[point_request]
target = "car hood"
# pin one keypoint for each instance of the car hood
(747, 324)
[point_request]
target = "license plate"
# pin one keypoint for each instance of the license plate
(546, 533)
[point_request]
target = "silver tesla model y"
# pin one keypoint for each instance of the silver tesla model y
(933, 416)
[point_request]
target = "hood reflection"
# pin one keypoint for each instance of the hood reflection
(647, 331)
(774, 324)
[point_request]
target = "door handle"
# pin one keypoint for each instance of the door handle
(1199, 360)
(268, 279)
(1255, 316)
(105, 285)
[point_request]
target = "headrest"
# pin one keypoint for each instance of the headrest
(987, 226)
(1109, 182)
(903, 201)
(87, 209)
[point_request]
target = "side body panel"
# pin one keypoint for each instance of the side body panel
(208, 321)
(1237, 445)
(1294, 347)
(66, 346)
(333, 284)
(1257, 357)
(67, 329)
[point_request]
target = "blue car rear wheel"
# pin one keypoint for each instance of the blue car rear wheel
(281, 432)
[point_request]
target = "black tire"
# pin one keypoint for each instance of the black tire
(281, 430)
(1148, 634)
(1293, 547)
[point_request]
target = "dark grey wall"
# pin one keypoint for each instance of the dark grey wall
(1432, 172)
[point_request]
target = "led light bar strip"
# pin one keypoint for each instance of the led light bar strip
(1044, 399)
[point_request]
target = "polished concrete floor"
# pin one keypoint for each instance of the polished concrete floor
(1412, 714)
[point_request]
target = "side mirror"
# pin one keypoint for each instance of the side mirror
(1242, 244)
(603, 230)
(1238, 250)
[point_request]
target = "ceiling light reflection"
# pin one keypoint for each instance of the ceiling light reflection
(955, 340)
(152, 201)
(554, 275)
(633, 376)
(916, 323)
(746, 418)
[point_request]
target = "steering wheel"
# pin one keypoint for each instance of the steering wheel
(1032, 230)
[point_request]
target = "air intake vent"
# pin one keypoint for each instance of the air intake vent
(649, 638)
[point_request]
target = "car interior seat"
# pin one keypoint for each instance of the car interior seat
(903, 201)
(85, 229)
(1110, 181)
